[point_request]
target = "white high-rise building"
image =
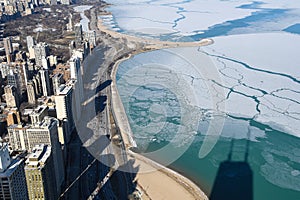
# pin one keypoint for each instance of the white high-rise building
(25, 74)
(90, 36)
(30, 42)
(45, 80)
(31, 53)
(63, 102)
(57, 80)
(52, 60)
(75, 67)
(76, 77)
(45, 63)
(41, 50)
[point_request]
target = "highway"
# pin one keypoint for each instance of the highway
(95, 131)
(88, 149)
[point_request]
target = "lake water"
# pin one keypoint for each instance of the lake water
(234, 103)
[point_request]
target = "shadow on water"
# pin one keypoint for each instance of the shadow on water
(234, 179)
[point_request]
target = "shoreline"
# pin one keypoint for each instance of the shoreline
(192, 191)
(151, 44)
(188, 189)
(151, 173)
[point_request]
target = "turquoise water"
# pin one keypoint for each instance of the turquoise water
(275, 146)
(273, 158)
(157, 105)
(155, 115)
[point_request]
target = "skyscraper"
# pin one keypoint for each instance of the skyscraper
(63, 101)
(76, 76)
(57, 80)
(78, 35)
(37, 84)
(41, 50)
(90, 36)
(52, 60)
(30, 42)
(86, 49)
(70, 23)
(75, 67)
(31, 94)
(72, 47)
(39, 172)
(25, 75)
(45, 80)
(5, 68)
(47, 133)
(14, 77)
(3, 125)
(8, 49)
(12, 176)
(11, 96)
(45, 63)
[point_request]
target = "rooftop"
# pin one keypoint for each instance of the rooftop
(39, 110)
(38, 157)
(64, 89)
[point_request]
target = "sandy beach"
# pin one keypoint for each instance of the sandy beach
(160, 182)
(151, 43)
(154, 181)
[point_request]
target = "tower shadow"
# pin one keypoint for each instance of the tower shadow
(234, 180)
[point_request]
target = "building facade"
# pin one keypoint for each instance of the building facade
(39, 172)
(57, 80)
(17, 135)
(41, 50)
(78, 35)
(45, 80)
(31, 94)
(11, 96)
(8, 49)
(63, 101)
(12, 176)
